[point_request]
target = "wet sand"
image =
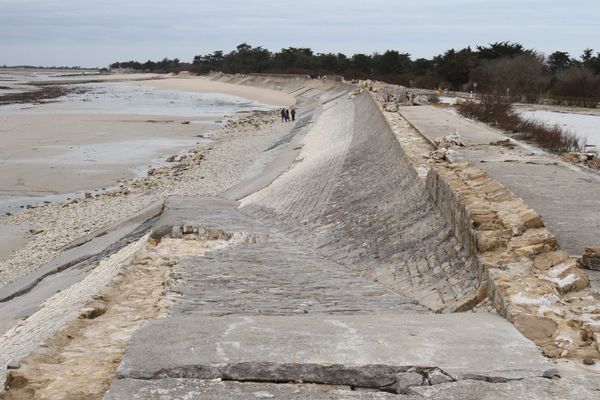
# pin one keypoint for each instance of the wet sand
(56, 152)
(204, 85)
(43, 155)
(112, 131)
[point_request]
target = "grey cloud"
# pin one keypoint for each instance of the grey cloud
(98, 32)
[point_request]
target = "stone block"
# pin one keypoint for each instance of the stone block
(532, 219)
(546, 261)
(537, 329)
(406, 380)
(490, 240)
(591, 258)
(566, 277)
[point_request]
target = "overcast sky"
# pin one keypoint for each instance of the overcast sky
(96, 33)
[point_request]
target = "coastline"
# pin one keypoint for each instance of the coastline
(204, 171)
(36, 234)
(205, 85)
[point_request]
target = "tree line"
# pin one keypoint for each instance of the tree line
(503, 67)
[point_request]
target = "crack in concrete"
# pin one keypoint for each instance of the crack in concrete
(385, 378)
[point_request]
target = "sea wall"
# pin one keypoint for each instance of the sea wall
(450, 240)
(353, 194)
(522, 272)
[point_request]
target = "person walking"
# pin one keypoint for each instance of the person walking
(287, 115)
(283, 115)
(293, 112)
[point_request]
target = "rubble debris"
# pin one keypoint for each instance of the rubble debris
(590, 259)
(504, 143)
(450, 141)
(586, 159)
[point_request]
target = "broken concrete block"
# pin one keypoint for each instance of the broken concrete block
(176, 232)
(437, 376)
(407, 379)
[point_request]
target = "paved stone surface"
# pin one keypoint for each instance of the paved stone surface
(292, 348)
(353, 196)
(278, 277)
(171, 389)
(567, 197)
(434, 123)
(526, 389)
(276, 274)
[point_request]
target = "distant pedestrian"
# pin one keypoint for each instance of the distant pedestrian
(287, 115)
(283, 115)
(293, 112)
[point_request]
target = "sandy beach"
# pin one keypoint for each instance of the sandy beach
(51, 154)
(59, 156)
(204, 85)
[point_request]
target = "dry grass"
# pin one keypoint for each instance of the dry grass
(497, 111)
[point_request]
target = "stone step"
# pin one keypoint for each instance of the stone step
(355, 350)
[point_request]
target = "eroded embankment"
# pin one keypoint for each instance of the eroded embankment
(79, 360)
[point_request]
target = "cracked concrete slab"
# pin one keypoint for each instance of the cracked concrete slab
(331, 349)
(171, 389)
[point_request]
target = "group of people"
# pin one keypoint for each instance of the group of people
(288, 115)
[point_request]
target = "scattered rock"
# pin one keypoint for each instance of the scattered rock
(176, 232)
(588, 159)
(188, 229)
(504, 143)
(88, 195)
(93, 311)
(390, 107)
(550, 373)
(548, 260)
(591, 258)
(437, 376)
(158, 233)
(449, 141)
(407, 379)
(420, 100)
(588, 361)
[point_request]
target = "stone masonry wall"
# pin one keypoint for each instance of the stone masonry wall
(523, 273)
(528, 279)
